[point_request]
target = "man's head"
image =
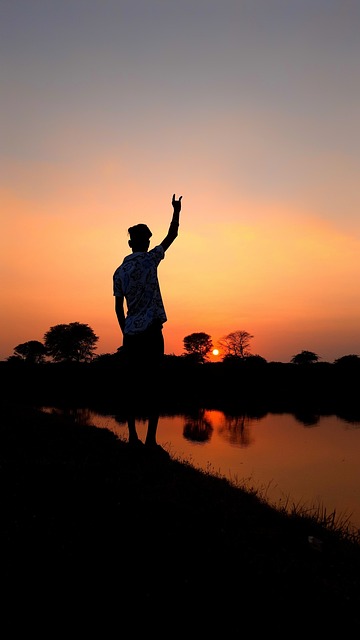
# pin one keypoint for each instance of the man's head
(140, 235)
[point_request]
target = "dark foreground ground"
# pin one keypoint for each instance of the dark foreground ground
(99, 539)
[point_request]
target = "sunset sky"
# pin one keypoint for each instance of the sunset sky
(249, 109)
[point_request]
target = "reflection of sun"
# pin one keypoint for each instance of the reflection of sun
(215, 352)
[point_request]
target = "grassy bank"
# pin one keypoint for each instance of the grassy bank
(93, 530)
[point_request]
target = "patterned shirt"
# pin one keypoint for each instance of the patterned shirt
(136, 280)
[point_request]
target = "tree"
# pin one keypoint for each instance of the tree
(236, 344)
(350, 360)
(305, 357)
(74, 342)
(256, 360)
(198, 345)
(32, 351)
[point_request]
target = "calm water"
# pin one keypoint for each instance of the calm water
(290, 462)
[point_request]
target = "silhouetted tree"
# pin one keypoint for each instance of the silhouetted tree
(256, 359)
(14, 358)
(233, 360)
(349, 360)
(74, 342)
(32, 351)
(236, 343)
(305, 357)
(199, 345)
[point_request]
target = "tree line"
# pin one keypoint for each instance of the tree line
(77, 342)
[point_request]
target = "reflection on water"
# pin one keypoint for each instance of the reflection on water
(236, 430)
(307, 460)
(198, 427)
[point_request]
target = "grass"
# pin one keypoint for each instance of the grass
(339, 523)
(96, 535)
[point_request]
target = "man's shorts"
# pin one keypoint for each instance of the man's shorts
(145, 348)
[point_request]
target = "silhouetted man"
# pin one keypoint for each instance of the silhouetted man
(136, 284)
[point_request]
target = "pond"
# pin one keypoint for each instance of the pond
(311, 462)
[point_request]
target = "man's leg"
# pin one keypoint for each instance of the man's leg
(155, 360)
(131, 355)
(134, 439)
(150, 440)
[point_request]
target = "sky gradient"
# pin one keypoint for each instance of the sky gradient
(249, 109)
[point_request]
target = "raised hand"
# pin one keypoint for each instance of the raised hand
(176, 204)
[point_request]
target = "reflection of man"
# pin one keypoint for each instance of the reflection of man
(136, 284)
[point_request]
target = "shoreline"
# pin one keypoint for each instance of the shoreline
(81, 506)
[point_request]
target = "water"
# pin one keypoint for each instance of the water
(312, 464)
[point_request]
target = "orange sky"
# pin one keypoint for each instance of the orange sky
(251, 116)
(286, 277)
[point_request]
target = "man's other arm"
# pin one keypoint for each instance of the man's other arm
(119, 310)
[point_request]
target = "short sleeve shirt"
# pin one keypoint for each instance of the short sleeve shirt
(137, 281)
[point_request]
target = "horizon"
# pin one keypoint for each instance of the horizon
(215, 355)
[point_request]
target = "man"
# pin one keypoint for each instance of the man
(136, 284)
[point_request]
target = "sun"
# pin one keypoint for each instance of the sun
(215, 352)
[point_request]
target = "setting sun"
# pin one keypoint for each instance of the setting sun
(215, 352)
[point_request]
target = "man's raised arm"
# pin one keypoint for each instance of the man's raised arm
(174, 224)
